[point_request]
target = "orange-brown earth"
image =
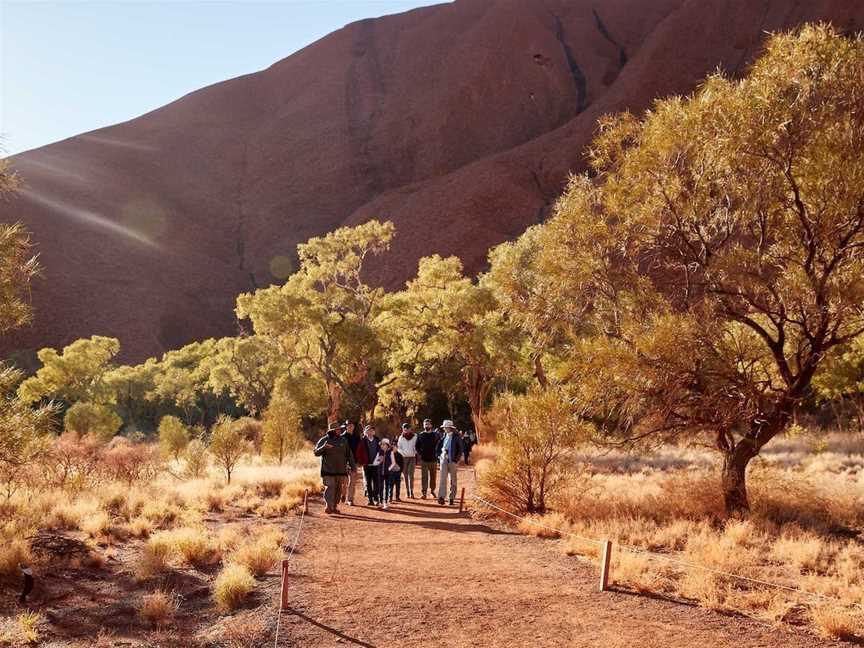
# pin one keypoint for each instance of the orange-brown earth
(423, 575)
(459, 122)
(418, 574)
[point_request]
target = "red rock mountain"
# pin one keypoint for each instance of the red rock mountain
(459, 122)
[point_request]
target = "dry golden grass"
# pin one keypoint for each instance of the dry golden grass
(635, 570)
(261, 554)
(158, 608)
(232, 586)
(155, 556)
(836, 622)
(797, 535)
(550, 525)
(189, 546)
(28, 627)
(13, 552)
(483, 451)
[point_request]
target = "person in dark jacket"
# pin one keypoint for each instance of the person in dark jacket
(368, 450)
(449, 451)
(336, 461)
(390, 466)
(469, 439)
(352, 435)
(427, 443)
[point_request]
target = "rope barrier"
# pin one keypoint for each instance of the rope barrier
(287, 558)
(669, 559)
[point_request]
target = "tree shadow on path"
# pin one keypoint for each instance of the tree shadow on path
(431, 524)
(331, 630)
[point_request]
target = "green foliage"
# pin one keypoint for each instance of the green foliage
(92, 419)
(322, 319)
(282, 432)
(227, 445)
(196, 459)
(182, 379)
(246, 367)
(841, 378)
(77, 373)
(18, 266)
(538, 433)
(713, 258)
(449, 333)
(251, 430)
(173, 436)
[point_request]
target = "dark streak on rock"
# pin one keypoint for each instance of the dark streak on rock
(601, 27)
(363, 104)
(240, 223)
(575, 71)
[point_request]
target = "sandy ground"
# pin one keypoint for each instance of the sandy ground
(421, 574)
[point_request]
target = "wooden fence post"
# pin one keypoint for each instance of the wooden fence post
(284, 597)
(306, 501)
(605, 564)
(462, 500)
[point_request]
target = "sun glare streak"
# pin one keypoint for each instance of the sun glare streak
(61, 171)
(89, 218)
(110, 141)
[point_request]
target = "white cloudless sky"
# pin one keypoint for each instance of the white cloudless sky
(73, 66)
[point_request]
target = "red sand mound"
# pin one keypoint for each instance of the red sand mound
(459, 122)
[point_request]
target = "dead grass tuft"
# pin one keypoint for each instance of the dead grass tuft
(158, 608)
(232, 586)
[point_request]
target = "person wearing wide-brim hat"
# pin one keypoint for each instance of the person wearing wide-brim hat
(336, 461)
(449, 450)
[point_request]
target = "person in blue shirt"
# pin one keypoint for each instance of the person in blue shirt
(449, 450)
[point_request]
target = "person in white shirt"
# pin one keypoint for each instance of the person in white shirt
(406, 444)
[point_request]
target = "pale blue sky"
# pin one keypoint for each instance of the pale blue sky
(69, 67)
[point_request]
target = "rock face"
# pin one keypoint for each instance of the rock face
(459, 122)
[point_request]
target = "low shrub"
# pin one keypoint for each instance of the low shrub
(836, 622)
(159, 607)
(28, 626)
(232, 586)
(261, 555)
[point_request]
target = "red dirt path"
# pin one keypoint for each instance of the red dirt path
(420, 574)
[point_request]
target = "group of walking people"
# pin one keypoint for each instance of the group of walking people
(386, 464)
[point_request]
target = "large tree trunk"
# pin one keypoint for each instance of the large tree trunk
(334, 402)
(477, 387)
(734, 478)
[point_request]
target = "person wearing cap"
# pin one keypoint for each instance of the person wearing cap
(336, 461)
(352, 435)
(449, 450)
(407, 446)
(368, 450)
(427, 444)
